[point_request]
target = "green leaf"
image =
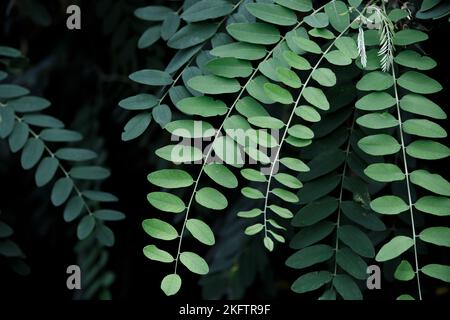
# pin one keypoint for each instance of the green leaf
(154, 253)
(394, 248)
(60, 135)
(278, 94)
(5, 230)
(288, 77)
(418, 83)
(61, 191)
(310, 256)
(357, 240)
(170, 178)
(322, 33)
(32, 153)
(194, 263)
(415, 60)
(192, 34)
(7, 121)
(181, 58)
(73, 209)
(214, 85)
(171, 284)
(109, 215)
(338, 14)
(324, 77)
(268, 243)
(250, 214)
(99, 196)
(207, 9)
(249, 107)
(151, 77)
(311, 281)
(310, 235)
(301, 132)
(170, 25)
(296, 61)
(139, 102)
(379, 145)
(85, 227)
(427, 150)
(29, 104)
(362, 216)
(316, 97)
(307, 45)
(149, 37)
(254, 229)
(162, 115)
(159, 229)
(317, 20)
(375, 81)
(352, 263)
(221, 175)
(315, 211)
(404, 271)
(253, 175)
(294, 164)
(89, 173)
(136, 126)
(257, 33)
(346, 287)
(318, 188)
(46, 171)
(211, 198)
(389, 205)
(424, 128)
(288, 180)
(11, 91)
(438, 271)
(405, 297)
(152, 13)
(377, 120)
(337, 58)
(398, 14)
(10, 52)
(439, 236)
(201, 231)
(75, 154)
(438, 206)
(272, 13)
(418, 104)
(240, 50)
(347, 46)
(384, 172)
(203, 106)
(229, 67)
(297, 5)
(282, 212)
(432, 182)
(40, 120)
(266, 122)
(409, 36)
(252, 193)
(256, 89)
(285, 195)
(166, 202)
(105, 236)
(375, 101)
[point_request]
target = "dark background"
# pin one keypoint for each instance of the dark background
(84, 74)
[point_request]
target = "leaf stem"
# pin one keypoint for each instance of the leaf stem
(408, 188)
(61, 167)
